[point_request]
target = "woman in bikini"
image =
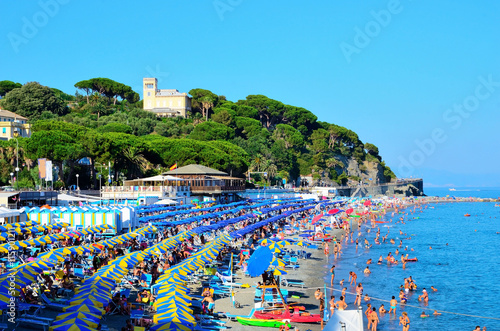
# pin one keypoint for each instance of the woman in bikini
(405, 321)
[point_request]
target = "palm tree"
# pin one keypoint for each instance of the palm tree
(272, 170)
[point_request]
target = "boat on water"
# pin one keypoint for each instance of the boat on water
(467, 215)
(453, 189)
(260, 322)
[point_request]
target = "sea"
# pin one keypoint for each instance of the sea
(457, 255)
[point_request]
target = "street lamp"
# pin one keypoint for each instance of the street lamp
(11, 178)
(16, 134)
(77, 186)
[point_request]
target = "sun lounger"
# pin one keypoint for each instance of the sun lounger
(289, 283)
(44, 323)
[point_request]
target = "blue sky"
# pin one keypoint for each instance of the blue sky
(419, 79)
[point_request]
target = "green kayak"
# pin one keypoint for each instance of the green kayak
(260, 322)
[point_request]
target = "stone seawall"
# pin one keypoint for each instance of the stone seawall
(406, 188)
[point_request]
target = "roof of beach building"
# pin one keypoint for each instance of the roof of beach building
(195, 169)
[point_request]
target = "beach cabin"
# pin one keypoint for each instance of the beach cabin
(9, 216)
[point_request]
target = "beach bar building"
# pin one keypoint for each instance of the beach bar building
(205, 181)
(160, 186)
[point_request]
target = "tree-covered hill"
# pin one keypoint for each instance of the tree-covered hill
(106, 125)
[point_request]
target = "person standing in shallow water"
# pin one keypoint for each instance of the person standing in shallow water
(332, 271)
(405, 321)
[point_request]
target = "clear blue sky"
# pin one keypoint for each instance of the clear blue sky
(390, 70)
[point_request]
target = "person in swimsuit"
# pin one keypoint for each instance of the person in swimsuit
(424, 315)
(341, 305)
(405, 321)
(352, 277)
(382, 310)
(368, 312)
(393, 304)
(332, 305)
(332, 271)
(435, 313)
(374, 319)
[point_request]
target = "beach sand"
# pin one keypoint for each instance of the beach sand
(312, 272)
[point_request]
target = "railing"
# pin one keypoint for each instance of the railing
(167, 189)
(216, 189)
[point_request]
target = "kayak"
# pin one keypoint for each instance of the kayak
(260, 322)
(411, 260)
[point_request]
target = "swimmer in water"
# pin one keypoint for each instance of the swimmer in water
(382, 310)
(424, 315)
(367, 271)
(435, 313)
(369, 261)
(380, 260)
(434, 289)
(341, 282)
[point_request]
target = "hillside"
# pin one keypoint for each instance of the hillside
(257, 134)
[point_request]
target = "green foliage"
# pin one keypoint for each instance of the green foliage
(258, 132)
(212, 131)
(287, 133)
(32, 99)
(115, 127)
(247, 127)
(319, 140)
(355, 178)
(62, 95)
(108, 88)
(203, 101)
(6, 86)
(342, 178)
(223, 116)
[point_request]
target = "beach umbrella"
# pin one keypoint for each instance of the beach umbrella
(79, 315)
(349, 211)
(86, 301)
(70, 324)
(172, 326)
(174, 315)
(301, 243)
(279, 272)
(334, 211)
(316, 218)
(52, 255)
(367, 203)
(265, 241)
(259, 261)
(277, 262)
(74, 327)
(84, 308)
(275, 248)
(283, 243)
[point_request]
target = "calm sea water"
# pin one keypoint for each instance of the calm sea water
(462, 264)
